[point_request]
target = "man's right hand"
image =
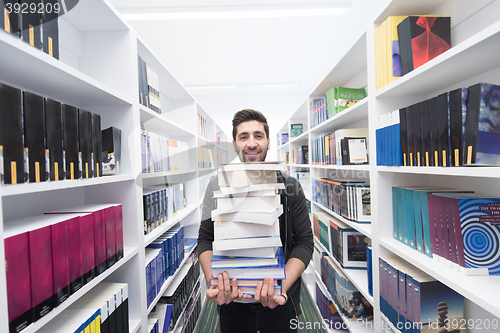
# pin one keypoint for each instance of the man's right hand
(223, 293)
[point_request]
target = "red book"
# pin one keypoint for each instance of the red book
(119, 231)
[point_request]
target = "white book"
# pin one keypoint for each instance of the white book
(251, 188)
(262, 252)
(258, 193)
(266, 217)
(231, 262)
(278, 166)
(246, 243)
(229, 229)
(262, 203)
(243, 282)
(240, 178)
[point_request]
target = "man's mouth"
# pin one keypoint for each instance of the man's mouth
(252, 154)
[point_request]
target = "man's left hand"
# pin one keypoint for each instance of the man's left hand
(264, 294)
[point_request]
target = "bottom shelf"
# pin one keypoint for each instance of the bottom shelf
(387, 325)
(134, 326)
(354, 326)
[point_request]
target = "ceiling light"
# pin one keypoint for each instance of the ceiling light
(242, 14)
(242, 86)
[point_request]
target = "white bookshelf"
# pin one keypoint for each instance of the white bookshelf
(98, 71)
(475, 39)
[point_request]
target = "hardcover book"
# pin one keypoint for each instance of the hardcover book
(437, 157)
(354, 151)
(30, 21)
(96, 145)
(410, 136)
(70, 139)
(443, 129)
(404, 136)
(482, 125)
(85, 142)
(54, 136)
(111, 151)
(60, 261)
(428, 159)
(417, 134)
(262, 202)
(456, 122)
(251, 216)
(246, 243)
(263, 252)
(34, 136)
(229, 230)
(11, 131)
(12, 23)
(50, 29)
(296, 130)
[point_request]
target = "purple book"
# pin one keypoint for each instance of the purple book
(99, 242)
(18, 282)
(442, 231)
(119, 231)
(42, 276)
(87, 239)
(109, 222)
(432, 225)
(60, 261)
(75, 254)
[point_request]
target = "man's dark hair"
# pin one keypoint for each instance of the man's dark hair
(247, 115)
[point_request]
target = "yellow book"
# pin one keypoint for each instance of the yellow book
(393, 69)
(383, 37)
(377, 58)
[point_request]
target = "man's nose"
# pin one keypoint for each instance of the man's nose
(252, 142)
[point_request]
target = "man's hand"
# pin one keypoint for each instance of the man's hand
(223, 294)
(265, 294)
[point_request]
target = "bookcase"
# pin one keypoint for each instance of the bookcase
(475, 39)
(98, 71)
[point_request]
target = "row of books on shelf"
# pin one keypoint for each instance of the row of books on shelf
(50, 257)
(149, 86)
(349, 300)
(336, 100)
(342, 147)
(162, 202)
(201, 128)
(42, 139)
(350, 199)
(456, 227)
(455, 128)
(102, 309)
(404, 43)
(328, 311)
(184, 294)
(35, 22)
(346, 245)
(159, 317)
(159, 153)
(163, 258)
(191, 315)
(205, 159)
(282, 138)
(416, 302)
(300, 155)
(304, 178)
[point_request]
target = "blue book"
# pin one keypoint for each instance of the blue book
(233, 262)
(395, 216)
(369, 270)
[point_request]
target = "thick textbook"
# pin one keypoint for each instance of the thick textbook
(251, 216)
(50, 30)
(85, 142)
(54, 136)
(70, 139)
(231, 262)
(275, 271)
(482, 127)
(111, 151)
(30, 23)
(262, 252)
(229, 229)
(347, 245)
(11, 139)
(248, 243)
(262, 202)
(258, 189)
(96, 145)
(244, 282)
(34, 136)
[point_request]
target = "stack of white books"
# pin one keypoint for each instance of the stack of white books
(247, 243)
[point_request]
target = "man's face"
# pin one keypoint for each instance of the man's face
(251, 143)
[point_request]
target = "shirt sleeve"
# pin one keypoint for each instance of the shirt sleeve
(206, 231)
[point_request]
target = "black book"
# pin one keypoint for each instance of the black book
(428, 159)
(70, 135)
(50, 29)
(141, 88)
(30, 21)
(437, 157)
(145, 88)
(11, 123)
(96, 145)
(402, 40)
(417, 127)
(403, 134)
(34, 136)
(410, 138)
(455, 105)
(353, 150)
(85, 142)
(443, 129)
(54, 135)
(482, 135)
(11, 19)
(111, 150)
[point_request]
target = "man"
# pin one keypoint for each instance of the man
(264, 312)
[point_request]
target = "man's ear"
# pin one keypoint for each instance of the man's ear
(234, 147)
(268, 143)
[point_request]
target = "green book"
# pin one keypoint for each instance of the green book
(296, 130)
(348, 96)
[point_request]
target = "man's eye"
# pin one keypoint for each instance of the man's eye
(243, 137)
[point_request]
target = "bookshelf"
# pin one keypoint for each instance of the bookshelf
(475, 40)
(98, 72)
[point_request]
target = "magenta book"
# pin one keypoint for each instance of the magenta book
(109, 221)
(18, 282)
(60, 264)
(87, 239)
(75, 254)
(119, 231)
(99, 242)
(42, 281)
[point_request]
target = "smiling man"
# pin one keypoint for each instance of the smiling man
(265, 312)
